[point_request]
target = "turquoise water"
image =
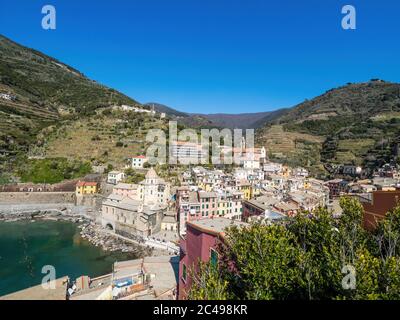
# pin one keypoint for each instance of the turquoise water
(25, 247)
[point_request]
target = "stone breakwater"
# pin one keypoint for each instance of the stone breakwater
(89, 230)
(62, 214)
(98, 236)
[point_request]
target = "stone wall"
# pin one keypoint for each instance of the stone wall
(36, 197)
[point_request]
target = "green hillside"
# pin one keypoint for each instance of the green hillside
(50, 110)
(359, 124)
(44, 90)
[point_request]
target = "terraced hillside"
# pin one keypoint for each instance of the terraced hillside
(102, 139)
(37, 90)
(357, 123)
(295, 149)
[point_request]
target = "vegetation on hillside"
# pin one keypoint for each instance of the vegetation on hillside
(44, 92)
(110, 137)
(52, 170)
(358, 123)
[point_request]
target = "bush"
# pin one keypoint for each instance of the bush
(52, 170)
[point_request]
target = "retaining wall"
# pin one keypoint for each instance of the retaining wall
(36, 197)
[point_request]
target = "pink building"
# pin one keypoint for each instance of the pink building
(200, 244)
(126, 190)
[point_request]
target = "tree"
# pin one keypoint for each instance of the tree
(352, 235)
(264, 262)
(304, 257)
(208, 283)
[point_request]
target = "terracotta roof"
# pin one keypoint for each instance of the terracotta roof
(86, 184)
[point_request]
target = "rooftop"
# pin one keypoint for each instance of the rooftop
(151, 174)
(86, 184)
(207, 195)
(215, 225)
(40, 293)
(126, 186)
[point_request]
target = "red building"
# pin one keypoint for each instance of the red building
(336, 187)
(378, 206)
(200, 244)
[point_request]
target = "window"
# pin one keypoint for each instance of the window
(184, 272)
(213, 257)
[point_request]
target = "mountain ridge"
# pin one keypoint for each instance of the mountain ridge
(246, 120)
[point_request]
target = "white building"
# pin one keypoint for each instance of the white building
(300, 172)
(134, 109)
(138, 162)
(250, 163)
(115, 177)
(352, 170)
(186, 152)
(272, 168)
(6, 96)
(241, 174)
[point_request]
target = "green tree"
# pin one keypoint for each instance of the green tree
(208, 283)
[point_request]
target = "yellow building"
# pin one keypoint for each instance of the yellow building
(286, 171)
(246, 189)
(83, 187)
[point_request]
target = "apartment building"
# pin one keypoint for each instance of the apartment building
(186, 152)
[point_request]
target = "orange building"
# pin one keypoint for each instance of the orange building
(376, 209)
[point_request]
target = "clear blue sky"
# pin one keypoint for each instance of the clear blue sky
(215, 55)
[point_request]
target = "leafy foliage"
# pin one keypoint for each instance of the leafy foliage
(305, 258)
(52, 170)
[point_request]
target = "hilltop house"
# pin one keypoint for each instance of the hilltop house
(115, 177)
(138, 162)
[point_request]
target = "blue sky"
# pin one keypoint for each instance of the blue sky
(213, 56)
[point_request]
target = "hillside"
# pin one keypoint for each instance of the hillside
(108, 138)
(53, 115)
(43, 90)
(233, 121)
(358, 124)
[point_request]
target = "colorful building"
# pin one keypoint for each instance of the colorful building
(83, 187)
(246, 188)
(200, 244)
(376, 208)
